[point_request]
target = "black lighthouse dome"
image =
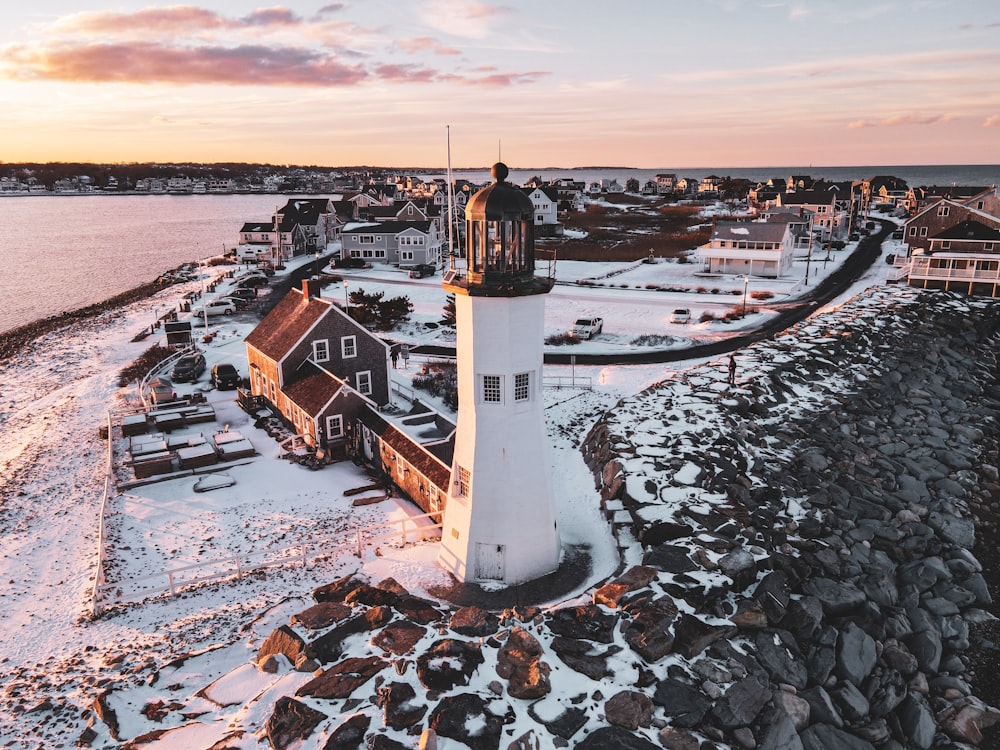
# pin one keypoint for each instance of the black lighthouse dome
(500, 242)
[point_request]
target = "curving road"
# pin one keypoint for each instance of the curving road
(867, 252)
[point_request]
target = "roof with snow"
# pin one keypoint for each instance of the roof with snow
(287, 323)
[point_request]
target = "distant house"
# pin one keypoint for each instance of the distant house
(545, 201)
(316, 221)
(754, 248)
(828, 222)
(316, 367)
(401, 243)
(666, 183)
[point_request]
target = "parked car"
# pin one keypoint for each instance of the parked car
(248, 295)
(587, 328)
(680, 315)
(188, 367)
(225, 376)
(215, 307)
(161, 390)
(238, 302)
(252, 282)
(421, 270)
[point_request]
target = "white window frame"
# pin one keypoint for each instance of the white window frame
(334, 426)
(406, 255)
(321, 350)
(943, 210)
(364, 382)
(522, 387)
(349, 347)
(464, 481)
(491, 389)
(923, 231)
(366, 239)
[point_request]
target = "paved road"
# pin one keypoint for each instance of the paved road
(867, 252)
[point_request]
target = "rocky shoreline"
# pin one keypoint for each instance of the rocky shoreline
(797, 572)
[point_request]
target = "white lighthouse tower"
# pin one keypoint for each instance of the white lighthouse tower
(499, 521)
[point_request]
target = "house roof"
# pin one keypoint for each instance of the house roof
(970, 229)
(313, 390)
(388, 227)
(417, 456)
(750, 231)
(287, 323)
(806, 198)
(304, 210)
(258, 226)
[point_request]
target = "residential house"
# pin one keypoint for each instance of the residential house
(944, 213)
(709, 185)
(316, 221)
(401, 243)
(316, 367)
(545, 201)
(828, 222)
(666, 183)
(754, 248)
(965, 257)
(632, 185)
(256, 240)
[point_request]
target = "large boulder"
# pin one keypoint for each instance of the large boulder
(290, 723)
(519, 661)
(342, 679)
(448, 664)
(467, 719)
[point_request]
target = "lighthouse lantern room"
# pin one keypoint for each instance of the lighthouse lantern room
(499, 521)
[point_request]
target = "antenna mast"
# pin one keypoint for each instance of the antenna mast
(451, 205)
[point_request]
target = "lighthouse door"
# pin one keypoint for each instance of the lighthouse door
(489, 561)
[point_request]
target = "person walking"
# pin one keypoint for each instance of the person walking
(394, 356)
(732, 370)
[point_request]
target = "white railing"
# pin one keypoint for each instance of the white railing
(175, 580)
(403, 532)
(922, 268)
(99, 579)
(567, 381)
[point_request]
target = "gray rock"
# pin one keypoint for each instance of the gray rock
(615, 737)
(826, 737)
(741, 568)
(519, 661)
(291, 722)
(685, 705)
(855, 654)
(927, 648)
(780, 734)
(466, 718)
(853, 705)
(773, 594)
(821, 708)
(837, 598)
(692, 635)
(916, 720)
(677, 739)
(778, 653)
(794, 706)
(740, 704)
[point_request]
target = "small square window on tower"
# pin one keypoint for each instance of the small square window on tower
(522, 386)
(491, 389)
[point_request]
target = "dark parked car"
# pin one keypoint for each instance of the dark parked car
(421, 270)
(252, 282)
(248, 295)
(188, 367)
(225, 377)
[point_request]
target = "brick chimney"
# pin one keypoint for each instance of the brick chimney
(310, 288)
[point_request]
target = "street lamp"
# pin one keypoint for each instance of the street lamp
(746, 284)
(347, 300)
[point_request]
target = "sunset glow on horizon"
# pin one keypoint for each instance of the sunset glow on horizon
(555, 84)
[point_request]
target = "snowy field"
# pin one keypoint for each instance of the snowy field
(54, 396)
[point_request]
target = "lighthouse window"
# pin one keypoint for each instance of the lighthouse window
(463, 481)
(491, 389)
(522, 386)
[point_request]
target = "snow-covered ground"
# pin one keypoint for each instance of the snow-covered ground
(54, 396)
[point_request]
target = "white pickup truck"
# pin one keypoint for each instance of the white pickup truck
(587, 328)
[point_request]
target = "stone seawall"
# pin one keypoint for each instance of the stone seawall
(825, 509)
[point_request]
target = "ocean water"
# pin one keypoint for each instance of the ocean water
(61, 253)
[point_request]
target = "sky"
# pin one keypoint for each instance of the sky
(564, 83)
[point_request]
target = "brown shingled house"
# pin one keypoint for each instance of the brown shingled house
(316, 366)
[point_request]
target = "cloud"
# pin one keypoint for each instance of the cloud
(176, 19)
(271, 17)
(153, 63)
(992, 122)
(463, 17)
(419, 44)
(907, 119)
